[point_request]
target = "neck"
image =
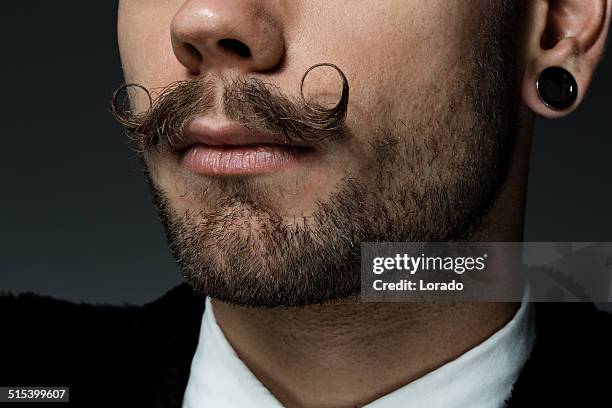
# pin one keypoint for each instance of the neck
(348, 353)
(351, 353)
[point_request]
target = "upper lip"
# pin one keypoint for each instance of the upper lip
(215, 132)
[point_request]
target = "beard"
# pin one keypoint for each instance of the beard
(243, 252)
(431, 177)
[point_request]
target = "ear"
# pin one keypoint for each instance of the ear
(570, 34)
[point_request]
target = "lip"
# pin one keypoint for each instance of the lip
(215, 131)
(209, 160)
(216, 148)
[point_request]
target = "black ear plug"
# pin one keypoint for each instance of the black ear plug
(557, 88)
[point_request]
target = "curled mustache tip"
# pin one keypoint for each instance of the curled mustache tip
(338, 112)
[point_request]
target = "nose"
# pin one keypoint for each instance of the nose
(240, 35)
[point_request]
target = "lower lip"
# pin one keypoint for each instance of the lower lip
(209, 160)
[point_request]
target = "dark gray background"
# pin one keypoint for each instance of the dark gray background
(76, 217)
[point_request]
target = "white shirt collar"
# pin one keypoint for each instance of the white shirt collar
(480, 378)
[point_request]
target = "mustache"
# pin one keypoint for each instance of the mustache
(251, 102)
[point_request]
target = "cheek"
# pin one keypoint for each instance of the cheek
(393, 55)
(146, 54)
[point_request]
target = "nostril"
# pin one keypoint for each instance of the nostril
(235, 47)
(193, 51)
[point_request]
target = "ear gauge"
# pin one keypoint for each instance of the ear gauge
(557, 88)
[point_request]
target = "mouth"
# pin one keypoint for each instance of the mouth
(212, 147)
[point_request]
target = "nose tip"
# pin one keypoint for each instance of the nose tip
(226, 34)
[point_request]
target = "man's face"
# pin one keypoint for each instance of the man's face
(257, 219)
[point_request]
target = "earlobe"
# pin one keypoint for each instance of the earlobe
(551, 93)
(565, 41)
(554, 86)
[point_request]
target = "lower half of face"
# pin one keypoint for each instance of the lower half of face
(422, 157)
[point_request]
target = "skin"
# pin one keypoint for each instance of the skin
(323, 355)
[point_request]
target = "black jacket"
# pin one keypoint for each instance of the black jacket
(115, 356)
